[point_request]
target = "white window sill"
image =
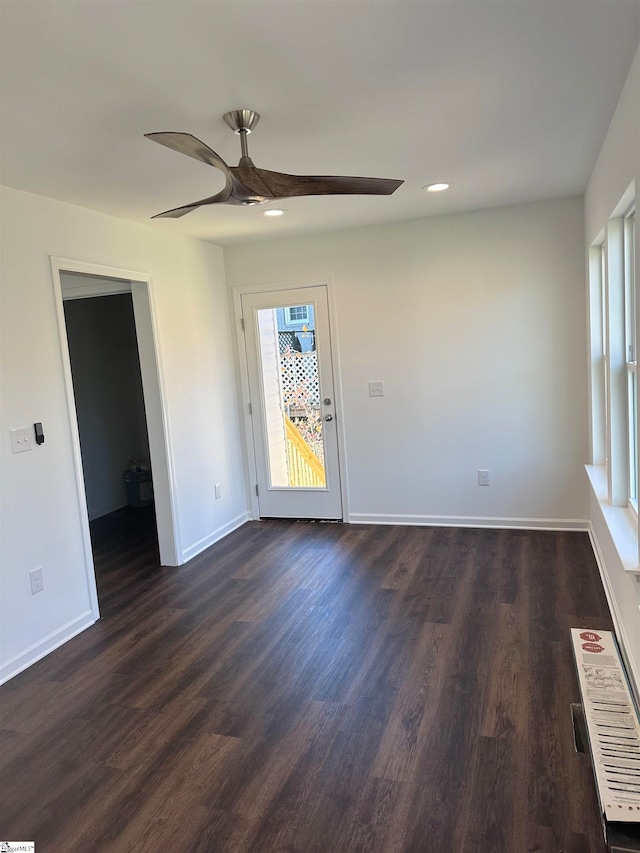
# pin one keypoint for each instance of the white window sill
(621, 521)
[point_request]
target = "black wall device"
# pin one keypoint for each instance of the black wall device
(39, 433)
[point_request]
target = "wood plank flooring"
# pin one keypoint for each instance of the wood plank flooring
(312, 687)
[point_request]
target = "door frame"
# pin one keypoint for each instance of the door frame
(140, 285)
(248, 444)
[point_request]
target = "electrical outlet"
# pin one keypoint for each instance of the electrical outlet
(37, 581)
(218, 490)
(483, 477)
(376, 389)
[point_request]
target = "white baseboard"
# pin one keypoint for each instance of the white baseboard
(206, 542)
(57, 638)
(618, 624)
(470, 521)
(43, 647)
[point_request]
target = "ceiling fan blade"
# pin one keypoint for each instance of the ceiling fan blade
(246, 185)
(287, 186)
(187, 144)
(249, 185)
(176, 212)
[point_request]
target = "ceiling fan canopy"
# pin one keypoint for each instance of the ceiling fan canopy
(245, 184)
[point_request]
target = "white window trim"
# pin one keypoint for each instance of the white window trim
(614, 324)
(630, 285)
(598, 384)
(617, 384)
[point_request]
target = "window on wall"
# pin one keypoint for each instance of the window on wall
(598, 301)
(628, 240)
(296, 314)
(614, 382)
(604, 359)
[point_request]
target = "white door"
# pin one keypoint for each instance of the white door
(291, 388)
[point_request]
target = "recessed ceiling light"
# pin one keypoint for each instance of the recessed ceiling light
(436, 188)
(274, 211)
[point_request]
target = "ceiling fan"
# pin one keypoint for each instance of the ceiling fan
(245, 184)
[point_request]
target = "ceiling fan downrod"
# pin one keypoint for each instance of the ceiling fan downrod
(242, 122)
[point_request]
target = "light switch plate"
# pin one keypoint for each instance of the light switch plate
(376, 389)
(22, 439)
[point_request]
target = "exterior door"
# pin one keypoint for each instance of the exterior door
(293, 413)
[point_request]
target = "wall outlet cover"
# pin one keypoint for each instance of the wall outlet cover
(37, 581)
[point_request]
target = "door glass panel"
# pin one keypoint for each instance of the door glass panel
(291, 396)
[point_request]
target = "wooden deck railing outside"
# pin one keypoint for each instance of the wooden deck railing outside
(305, 469)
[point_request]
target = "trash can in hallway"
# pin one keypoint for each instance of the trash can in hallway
(139, 488)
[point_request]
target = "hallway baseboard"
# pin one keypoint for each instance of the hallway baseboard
(45, 646)
(206, 542)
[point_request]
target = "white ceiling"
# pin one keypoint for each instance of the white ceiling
(509, 100)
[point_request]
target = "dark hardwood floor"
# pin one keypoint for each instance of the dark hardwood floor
(312, 687)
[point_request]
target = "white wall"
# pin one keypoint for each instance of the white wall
(107, 386)
(476, 324)
(617, 166)
(41, 519)
(619, 160)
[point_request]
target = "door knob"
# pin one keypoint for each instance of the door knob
(328, 417)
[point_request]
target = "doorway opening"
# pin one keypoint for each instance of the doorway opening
(112, 426)
(115, 399)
